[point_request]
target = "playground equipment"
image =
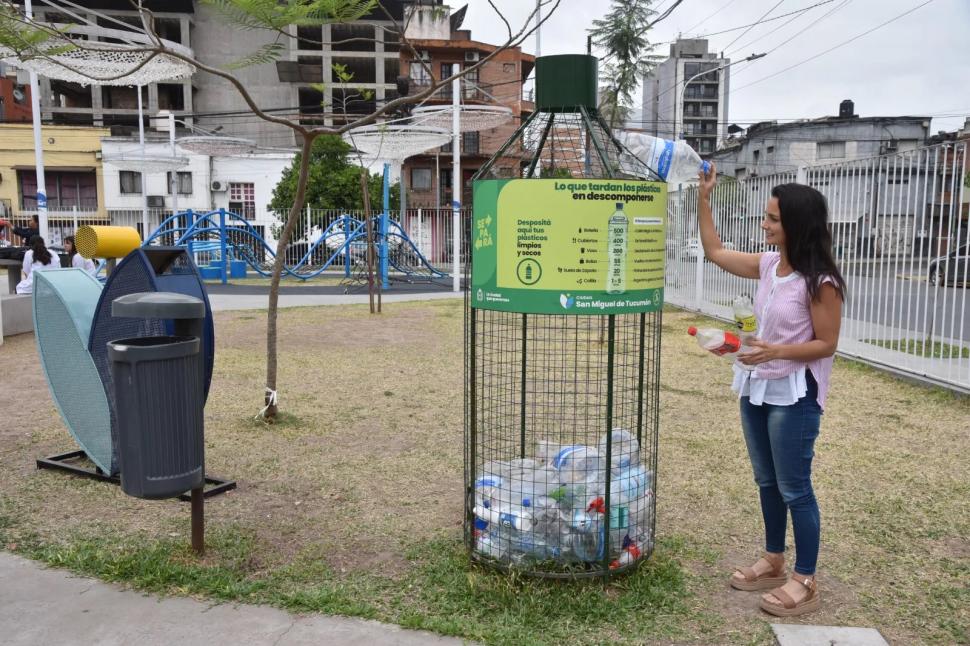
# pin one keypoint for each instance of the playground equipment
(106, 242)
(223, 245)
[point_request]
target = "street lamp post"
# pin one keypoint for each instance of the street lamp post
(683, 90)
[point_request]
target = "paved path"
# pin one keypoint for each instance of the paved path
(55, 608)
(221, 302)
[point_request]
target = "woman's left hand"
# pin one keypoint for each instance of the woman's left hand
(760, 352)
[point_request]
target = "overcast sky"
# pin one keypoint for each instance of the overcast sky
(917, 65)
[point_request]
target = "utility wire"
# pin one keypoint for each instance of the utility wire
(843, 43)
(797, 33)
(765, 15)
(761, 22)
(723, 7)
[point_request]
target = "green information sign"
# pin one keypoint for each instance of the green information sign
(568, 246)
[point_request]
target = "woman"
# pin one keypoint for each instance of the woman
(36, 258)
(77, 260)
(799, 310)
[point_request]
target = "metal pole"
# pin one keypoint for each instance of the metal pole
(38, 145)
(144, 179)
(538, 28)
(175, 173)
(198, 521)
(456, 186)
(384, 216)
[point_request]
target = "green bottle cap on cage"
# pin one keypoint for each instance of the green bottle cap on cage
(566, 82)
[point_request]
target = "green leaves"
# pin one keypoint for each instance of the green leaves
(268, 53)
(26, 41)
(277, 15)
(623, 33)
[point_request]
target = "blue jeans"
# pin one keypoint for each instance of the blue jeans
(781, 441)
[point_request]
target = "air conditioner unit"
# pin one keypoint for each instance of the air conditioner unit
(471, 57)
(156, 201)
(218, 186)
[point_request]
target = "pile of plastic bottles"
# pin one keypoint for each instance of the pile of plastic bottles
(553, 507)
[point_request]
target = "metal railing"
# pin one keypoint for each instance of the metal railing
(900, 234)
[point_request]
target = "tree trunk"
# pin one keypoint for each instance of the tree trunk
(370, 239)
(271, 399)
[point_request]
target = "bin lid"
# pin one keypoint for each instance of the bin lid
(158, 305)
(152, 348)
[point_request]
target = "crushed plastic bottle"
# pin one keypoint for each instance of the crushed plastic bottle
(514, 518)
(719, 342)
(576, 463)
(673, 161)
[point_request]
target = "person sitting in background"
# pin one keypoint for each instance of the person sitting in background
(28, 232)
(37, 258)
(77, 260)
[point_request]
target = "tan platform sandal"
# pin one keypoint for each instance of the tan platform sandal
(753, 581)
(791, 608)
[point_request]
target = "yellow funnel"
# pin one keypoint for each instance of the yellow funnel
(106, 242)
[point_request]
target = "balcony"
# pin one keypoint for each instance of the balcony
(470, 91)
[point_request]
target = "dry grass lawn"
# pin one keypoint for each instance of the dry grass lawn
(365, 468)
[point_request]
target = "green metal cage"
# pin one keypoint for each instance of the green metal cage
(561, 412)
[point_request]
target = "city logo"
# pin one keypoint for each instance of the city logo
(567, 301)
(481, 295)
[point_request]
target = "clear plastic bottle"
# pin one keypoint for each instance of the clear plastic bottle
(674, 161)
(747, 324)
(624, 450)
(576, 463)
(506, 516)
(719, 342)
(618, 229)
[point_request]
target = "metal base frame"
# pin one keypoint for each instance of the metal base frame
(66, 462)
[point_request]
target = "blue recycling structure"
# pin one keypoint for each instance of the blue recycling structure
(146, 269)
(65, 301)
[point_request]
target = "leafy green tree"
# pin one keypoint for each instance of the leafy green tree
(623, 34)
(333, 181)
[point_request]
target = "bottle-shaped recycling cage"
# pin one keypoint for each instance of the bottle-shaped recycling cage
(562, 341)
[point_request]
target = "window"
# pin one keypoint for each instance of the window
(770, 150)
(130, 182)
(184, 182)
(242, 199)
(469, 143)
(419, 75)
(470, 83)
(421, 179)
(65, 190)
(740, 173)
(757, 155)
(831, 149)
(508, 68)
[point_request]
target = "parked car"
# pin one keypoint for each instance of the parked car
(952, 269)
(691, 250)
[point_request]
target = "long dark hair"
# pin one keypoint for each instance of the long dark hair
(73, 245)
(808, 243)
(41, 253)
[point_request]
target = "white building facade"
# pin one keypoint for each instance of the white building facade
(697, 112)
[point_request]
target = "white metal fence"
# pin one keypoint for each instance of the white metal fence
(900, 237)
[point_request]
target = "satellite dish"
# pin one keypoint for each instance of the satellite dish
(18, 95)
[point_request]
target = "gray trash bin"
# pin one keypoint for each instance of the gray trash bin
(159, 397)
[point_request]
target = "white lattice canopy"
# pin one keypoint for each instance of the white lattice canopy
(216, 146)
(146, 162)
(471, 118)
(91, 62)
(396, 142)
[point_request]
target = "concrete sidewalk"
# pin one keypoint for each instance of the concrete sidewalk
(55, 608)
